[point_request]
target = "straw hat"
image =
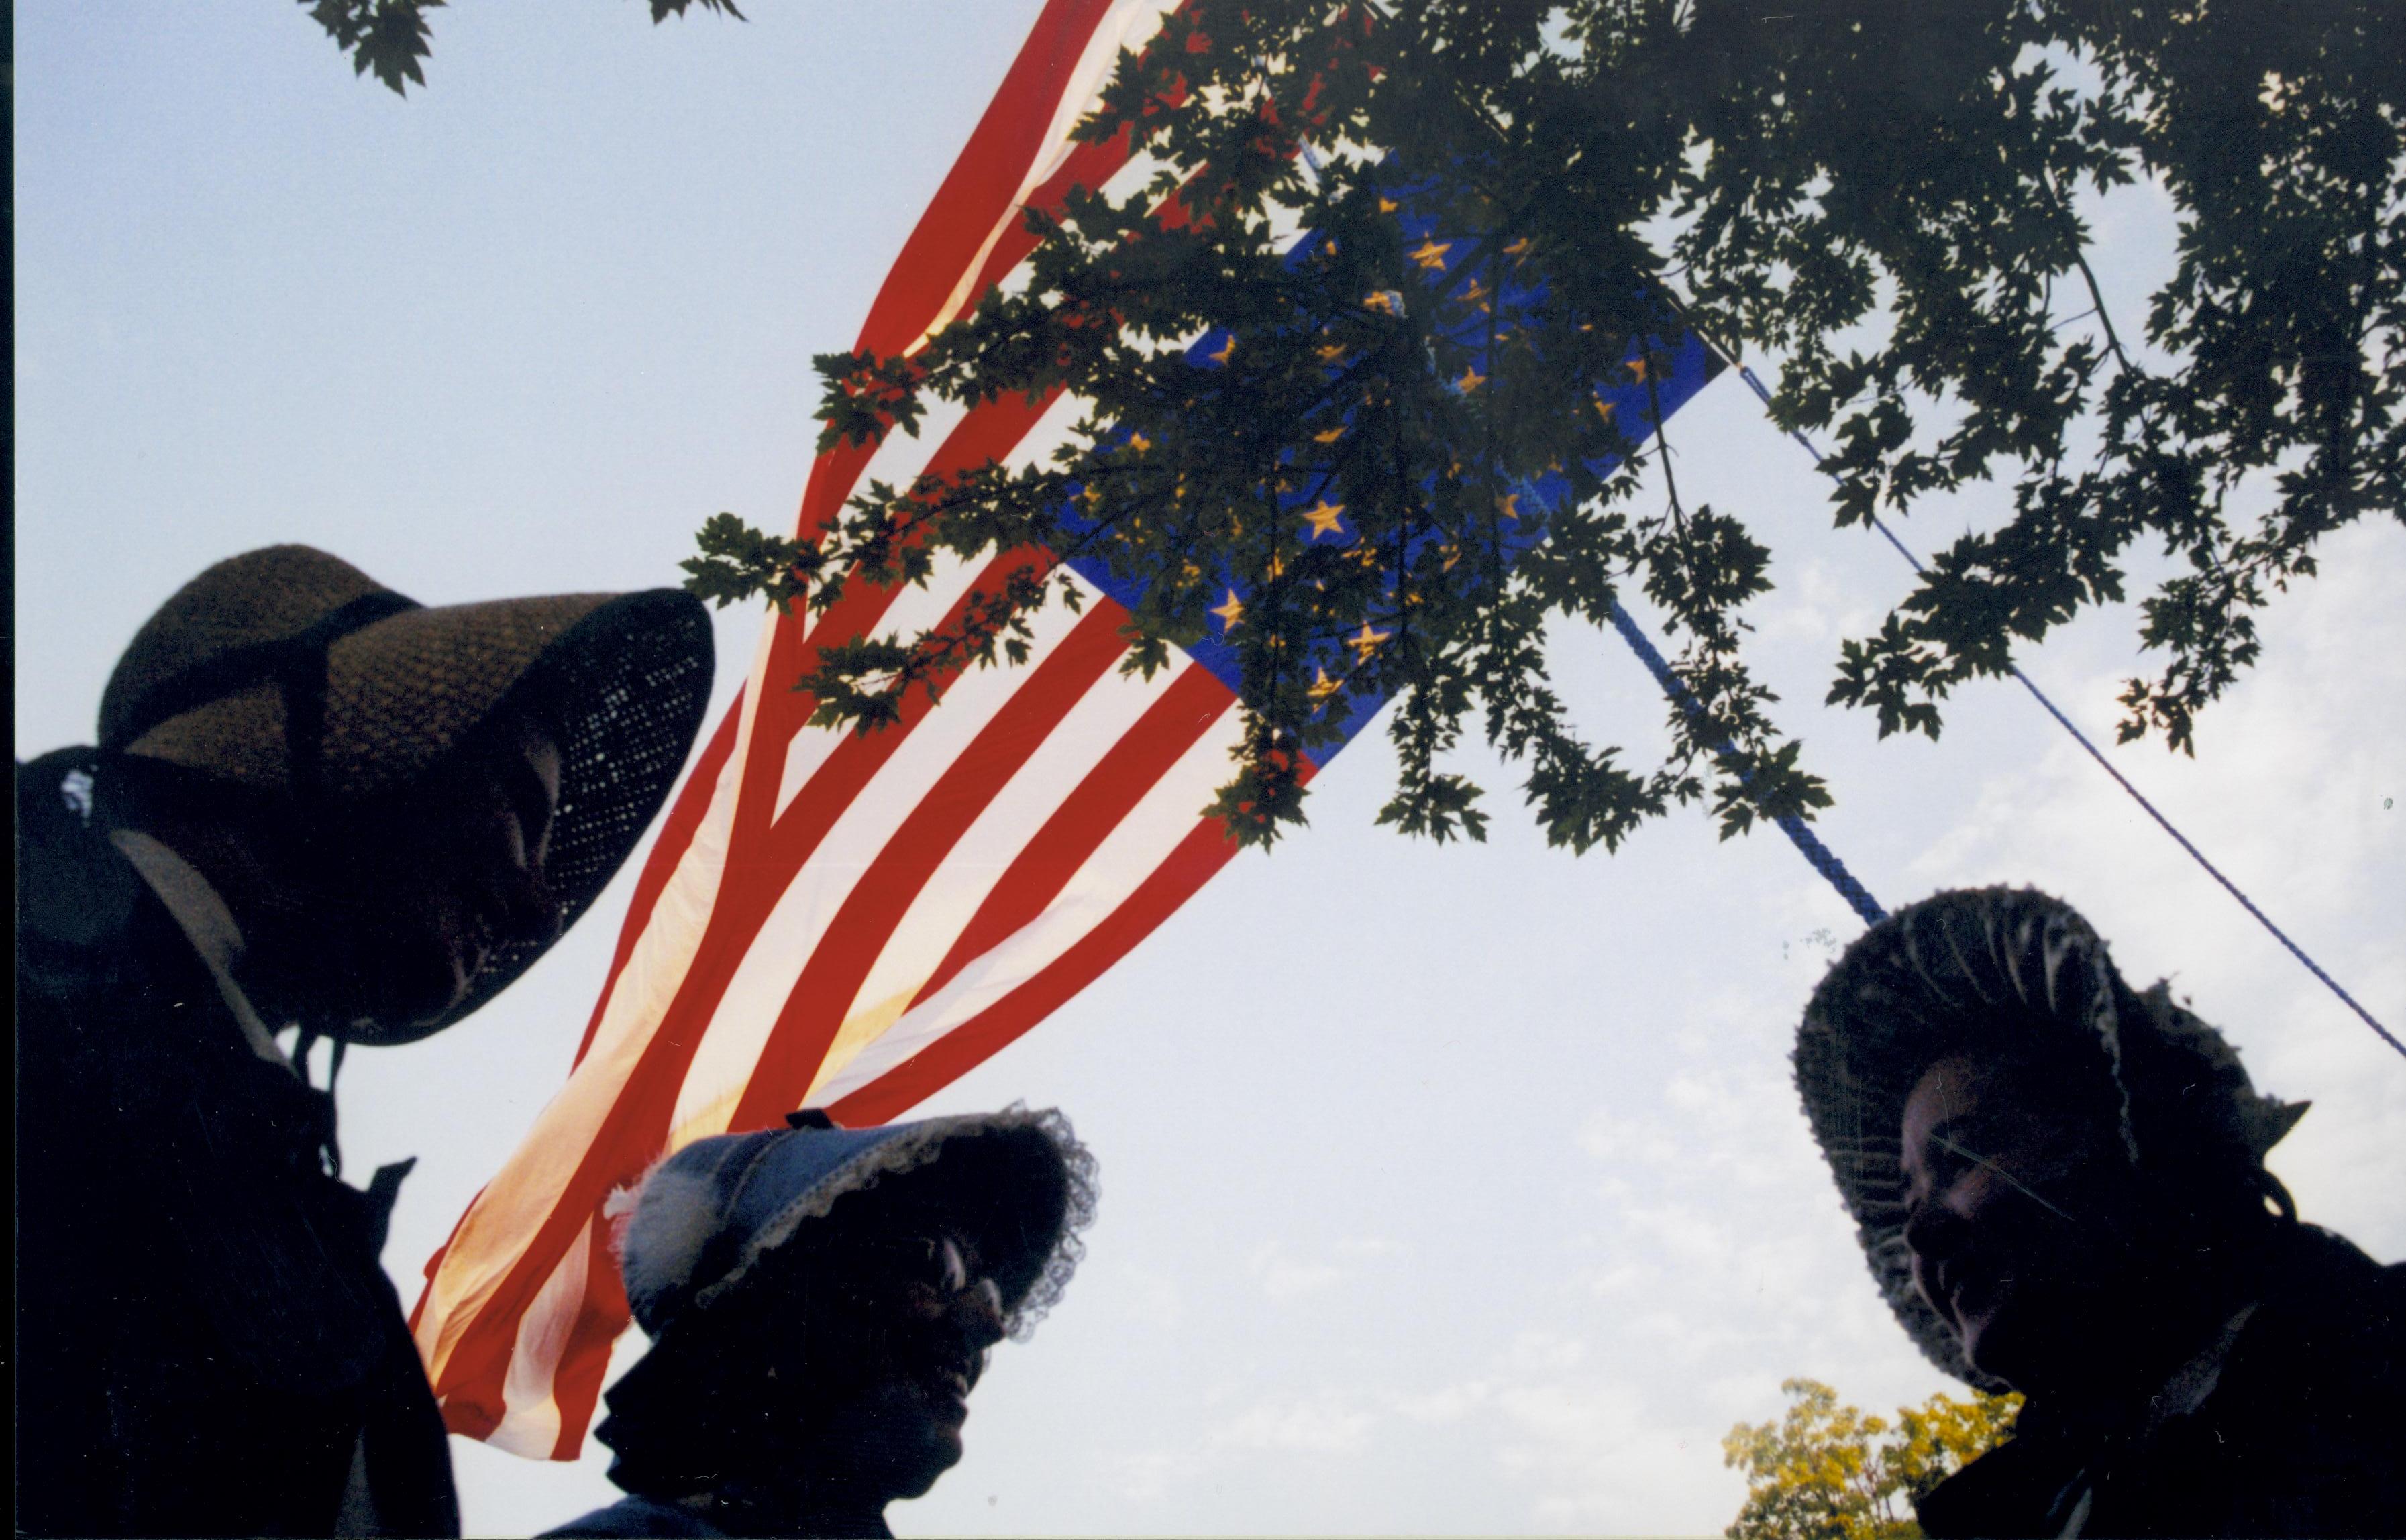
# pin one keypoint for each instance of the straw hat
(1987, 968)
(288, 670)
(1018, 1183)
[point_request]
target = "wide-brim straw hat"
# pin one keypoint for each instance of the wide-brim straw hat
(1017, 1183)
(1994, 967)
(290, 670)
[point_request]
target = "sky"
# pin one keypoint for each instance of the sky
(1452, 1189)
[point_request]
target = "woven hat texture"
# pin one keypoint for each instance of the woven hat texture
(1018, 1183)
(620, 679)
(1992, 967)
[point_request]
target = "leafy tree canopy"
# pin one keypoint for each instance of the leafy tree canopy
(1829, 1472)
(1879, 196)
(391, 37)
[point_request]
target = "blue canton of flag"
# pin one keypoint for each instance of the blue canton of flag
(1680, 373)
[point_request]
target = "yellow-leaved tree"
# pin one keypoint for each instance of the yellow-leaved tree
(1832, 1471)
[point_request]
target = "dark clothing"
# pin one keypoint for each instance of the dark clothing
(642, 1515)
(2301, 1429)
(680, 1415)
(638, 1515)
(208, 1343)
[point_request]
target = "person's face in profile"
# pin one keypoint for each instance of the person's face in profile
(896, 1338)
(2022, 1213)
(395, 902)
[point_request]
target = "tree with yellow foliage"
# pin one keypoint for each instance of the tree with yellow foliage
(1831, 1472)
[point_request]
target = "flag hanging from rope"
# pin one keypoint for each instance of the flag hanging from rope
(853, 922)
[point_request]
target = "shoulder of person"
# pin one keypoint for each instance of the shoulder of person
(637, 1516)
(2327, 1300)
(2007, 1491)
(76, 894)
(2310, 1410)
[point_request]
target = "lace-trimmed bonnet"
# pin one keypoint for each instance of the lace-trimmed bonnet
(1986, 967)
(1018, 1183)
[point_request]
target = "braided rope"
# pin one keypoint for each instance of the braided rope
(1800, 834)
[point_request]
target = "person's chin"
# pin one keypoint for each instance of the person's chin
(417, 985)
(1980, 1348)
(938, 1443)
(2011, 1343)
(1986, 1326)
(943, 1438)
(938, 1452)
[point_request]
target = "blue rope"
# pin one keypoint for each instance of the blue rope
(1821, 463)
(1798, 833)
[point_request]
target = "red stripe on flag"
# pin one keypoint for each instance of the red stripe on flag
(977, 195)
(585, 1358)
(1090, 165)
(1197, 857)
(831, 481)
(987, 435)
(1168, 728)
(829, 981)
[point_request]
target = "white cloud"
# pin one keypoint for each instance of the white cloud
(1450, 1403)
(1283, 1277)
(1149, 1477)
(1324, 1423)
(1151, 1297)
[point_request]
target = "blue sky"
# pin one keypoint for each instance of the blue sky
(1445, 1189)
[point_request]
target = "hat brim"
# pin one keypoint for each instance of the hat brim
(1017, 1183)
(624, 691)
(620, 680)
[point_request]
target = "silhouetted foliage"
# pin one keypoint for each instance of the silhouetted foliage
(1879, 196)
(389, 37)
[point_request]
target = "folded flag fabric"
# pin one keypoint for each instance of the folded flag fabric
(851, 922)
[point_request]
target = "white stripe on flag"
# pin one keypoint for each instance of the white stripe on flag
(530, 1183)
(1129, 24)
(785, 944)
(1132, 853)
(943, 908)
(897, 462)
(529, 1426)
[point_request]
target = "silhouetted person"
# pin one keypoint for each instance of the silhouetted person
(2060, 1186)
(315, 805)
(821, 1301)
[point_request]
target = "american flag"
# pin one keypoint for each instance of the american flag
(852, 922)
